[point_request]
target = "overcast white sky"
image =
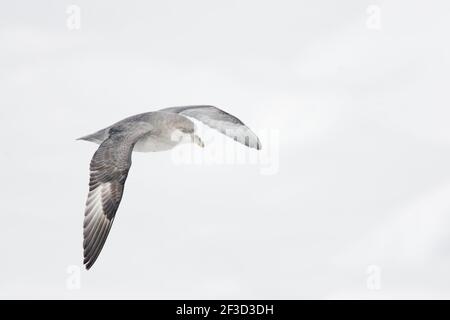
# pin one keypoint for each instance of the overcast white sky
(356, 112)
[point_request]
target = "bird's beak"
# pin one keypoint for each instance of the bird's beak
(196, 139)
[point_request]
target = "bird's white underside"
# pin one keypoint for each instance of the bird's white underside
(160, 143)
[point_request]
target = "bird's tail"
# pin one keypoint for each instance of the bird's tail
(97, 137)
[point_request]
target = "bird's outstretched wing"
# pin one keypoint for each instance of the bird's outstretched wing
(220, 120)
(108, 172)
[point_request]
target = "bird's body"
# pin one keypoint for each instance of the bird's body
(146, 132)
(161, 130)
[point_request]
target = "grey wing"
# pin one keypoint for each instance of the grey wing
(220, 120)
(108, 171)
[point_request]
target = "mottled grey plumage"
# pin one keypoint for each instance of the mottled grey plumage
(146, 132)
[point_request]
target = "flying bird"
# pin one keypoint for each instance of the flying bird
(146, 132)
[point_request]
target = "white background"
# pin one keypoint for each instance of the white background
(358, 207)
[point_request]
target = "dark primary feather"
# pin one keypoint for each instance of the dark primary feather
(108, 172)
(220, 120)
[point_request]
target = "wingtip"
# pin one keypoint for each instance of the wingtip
(87, 260)
(88, 263)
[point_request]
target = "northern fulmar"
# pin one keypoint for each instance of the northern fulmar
(146, 132)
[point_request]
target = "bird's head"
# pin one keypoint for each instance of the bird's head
(185, 133)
